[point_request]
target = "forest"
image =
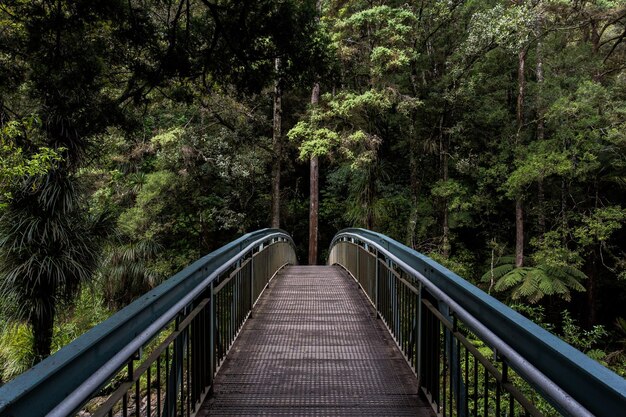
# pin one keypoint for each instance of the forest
(138, 135)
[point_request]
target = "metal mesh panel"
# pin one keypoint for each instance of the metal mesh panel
(314, 347)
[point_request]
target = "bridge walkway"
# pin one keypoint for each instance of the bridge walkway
(313, 346)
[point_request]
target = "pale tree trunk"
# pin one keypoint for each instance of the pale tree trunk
(314, 191)
(541, 215)
(446, 209)
(314, 178)
(277, 147)
(519, 206)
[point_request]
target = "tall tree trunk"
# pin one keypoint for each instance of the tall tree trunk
(314, 191)
(314, 175)
(519, 207)
(446, 209)
(519, 232)
(541, 214)
(277, 147)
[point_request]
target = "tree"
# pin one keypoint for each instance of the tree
(50, 243)
(277, 146)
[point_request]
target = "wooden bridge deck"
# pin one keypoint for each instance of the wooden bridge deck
(314, 347)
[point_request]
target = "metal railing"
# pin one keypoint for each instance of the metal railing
(157, 356)
(472, 354)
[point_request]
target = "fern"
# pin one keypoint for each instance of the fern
(497, 272)
(514, 277)
(532, 283)
(526, 289)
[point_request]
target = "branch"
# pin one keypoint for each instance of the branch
(612, 70)
(617, 42)
(612, 22)
(604, 42)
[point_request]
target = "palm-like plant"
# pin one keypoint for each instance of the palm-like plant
(534, 282)
(363, 190)
(126, 273)
(49, 247)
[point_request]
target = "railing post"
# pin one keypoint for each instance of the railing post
(176, 374)
(251, 281)
(376, 302)
(394, 298)
(212, 336)
(233, 311)
(358, 262)
(418, 338)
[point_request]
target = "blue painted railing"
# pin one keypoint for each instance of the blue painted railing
(159, 354)
(197, 312)
(433, 314)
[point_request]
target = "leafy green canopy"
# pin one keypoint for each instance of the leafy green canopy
(79, 68)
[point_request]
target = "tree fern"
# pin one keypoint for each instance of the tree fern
(513, 276)
(532, 283)
(497, 272)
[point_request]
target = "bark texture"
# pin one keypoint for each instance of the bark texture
(314, 192)
(519, 204)
(277, 147)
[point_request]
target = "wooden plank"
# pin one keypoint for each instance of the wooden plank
(314, 347)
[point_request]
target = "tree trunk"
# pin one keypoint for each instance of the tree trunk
(541, 214)
(277, 147)
(443, 160)
(314, 176)
(591, 291)
(519, 207)
(43, 326)
(446, 210)
(519, 232)
(595, 48)
(521, 84)
(314, 191)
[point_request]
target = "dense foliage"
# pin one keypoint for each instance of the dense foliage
(137, 136)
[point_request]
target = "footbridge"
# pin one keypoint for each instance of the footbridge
(380, 330)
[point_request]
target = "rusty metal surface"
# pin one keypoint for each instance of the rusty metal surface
(314, 347)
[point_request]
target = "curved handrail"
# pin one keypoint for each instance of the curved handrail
(61, 383)
(575, 377)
